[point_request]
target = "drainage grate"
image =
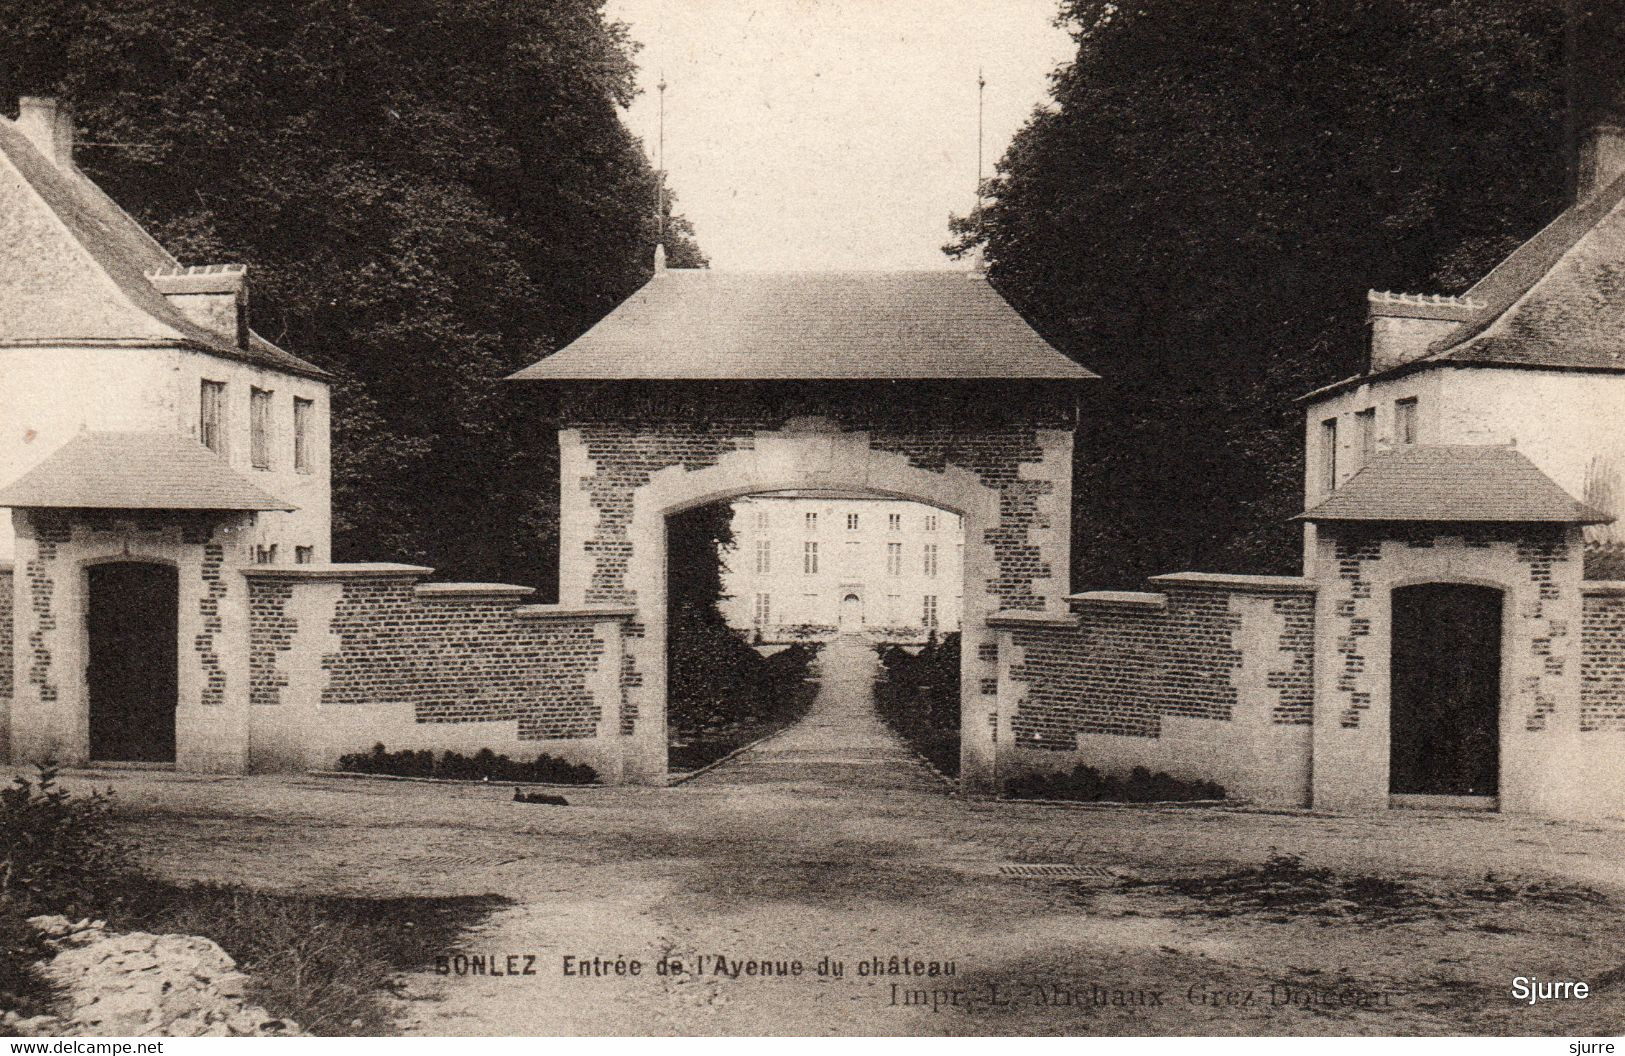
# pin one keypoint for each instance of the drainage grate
(466, 859)
(1049, 870)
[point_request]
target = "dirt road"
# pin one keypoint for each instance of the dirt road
(830, 847)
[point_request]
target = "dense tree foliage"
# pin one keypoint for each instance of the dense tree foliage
(430, 194)
(1199, 213)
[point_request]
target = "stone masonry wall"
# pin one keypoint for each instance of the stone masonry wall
(1602, 663)
(1123, 668)
(374, 655)
(1212, 678)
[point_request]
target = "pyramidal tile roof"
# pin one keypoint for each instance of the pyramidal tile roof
(135, 471)
(1454, 483)
(74, 266)
(851, 325)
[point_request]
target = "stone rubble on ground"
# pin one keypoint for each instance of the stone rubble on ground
(137, 984)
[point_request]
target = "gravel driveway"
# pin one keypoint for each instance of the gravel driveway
(740, 893)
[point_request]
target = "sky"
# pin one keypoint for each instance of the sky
(819, 134)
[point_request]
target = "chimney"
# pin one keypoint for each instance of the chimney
(214, 296)
(48, 125)
(1404, 326)
(660, 259)
(1594, 123)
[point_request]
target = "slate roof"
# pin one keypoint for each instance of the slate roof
(703, 324)
(136, 471)
(125, 306)
(1461, 484)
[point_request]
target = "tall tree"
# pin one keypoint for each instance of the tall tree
(1198, 215)
(430, 194)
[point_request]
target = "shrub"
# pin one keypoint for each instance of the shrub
(1085, 783)
(58, 853)
(917, 694)
(483, 765)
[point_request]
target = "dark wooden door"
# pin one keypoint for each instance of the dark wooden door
(1446, 690)
(133, 665)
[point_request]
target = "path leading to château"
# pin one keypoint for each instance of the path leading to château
(841, 742)
(831, 845)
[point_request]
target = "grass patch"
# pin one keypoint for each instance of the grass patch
(326, 962)
(1283, 889)
(1085, 784)
(483, 765)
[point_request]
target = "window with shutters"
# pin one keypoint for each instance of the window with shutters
(211, 429)
(259, 427)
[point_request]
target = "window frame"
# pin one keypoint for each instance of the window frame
(261, 405)
(303, 411)
(1405, 420)
(211, 416)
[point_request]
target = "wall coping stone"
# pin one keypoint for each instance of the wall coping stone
(453, 591)
(1130, 598)
(577, 612)
(1615, 587)
(1222, 581)
(1024, 618)
(357, 570)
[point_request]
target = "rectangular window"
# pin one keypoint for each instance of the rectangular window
(303, 410)
(1365, 425)
(930, 522)
(812, 522)
(211, 425)
(764, 610)
(930, 559)
(894, 522)
(928, 614)
(809, 558)
(1405, 421)
(259, 427)
(894, 559)
(1328, 455)
(851, 522)
(894, 605)
(304, 555)
(265, 555)
(764, 555)
(761, 520)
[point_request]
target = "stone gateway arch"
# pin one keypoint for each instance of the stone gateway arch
(705, 386)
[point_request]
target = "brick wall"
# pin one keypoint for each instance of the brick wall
(5, 631)
(341, 656)
(1212, 677)
(1602, 662)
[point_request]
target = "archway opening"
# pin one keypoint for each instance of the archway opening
(795, 574)
(1445, 692)
(131, 623)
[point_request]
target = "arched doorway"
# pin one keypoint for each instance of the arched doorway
(1445, 694)
(851, 614)
(131, 627)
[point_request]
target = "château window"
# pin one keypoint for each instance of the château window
(812, 522)
(1365, 424)
(303, 410)
(761, 520)
(809, 559)
(931, 559)
(259, 427)
(1405, 421)
(894, 559)
(265, 555)
(894, 522)
(930, 522)
(764, 610)
(764, 555)
(1328, 455)
(211, 428)
(928, 614)
(304, 555)
(851, 522)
